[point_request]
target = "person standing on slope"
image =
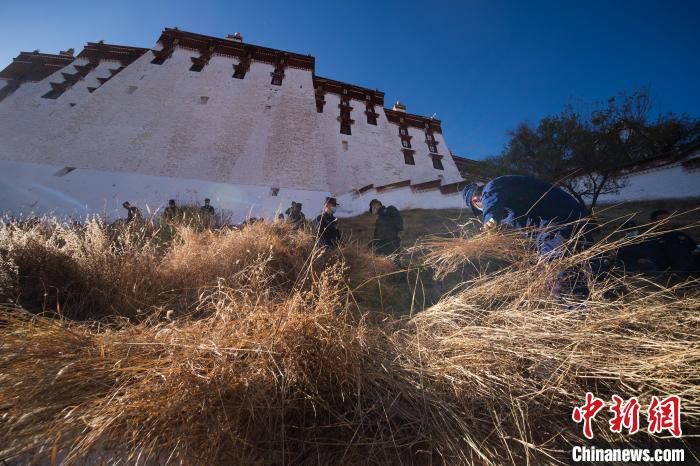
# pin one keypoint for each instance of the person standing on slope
(389, 225)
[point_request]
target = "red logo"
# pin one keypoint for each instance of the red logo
(587, 412)
(665, 415)
(661, 415)
(625, 415)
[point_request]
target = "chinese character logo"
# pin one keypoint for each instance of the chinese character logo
(665, 415)
(625, 415)
(661, 415)
(587, 412)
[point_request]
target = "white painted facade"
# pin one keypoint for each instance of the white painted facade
(39, 189)
(154, 132)
(671, 181)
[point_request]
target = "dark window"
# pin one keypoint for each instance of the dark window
(408, 157)
(53, 94)
(406, 143)
(432, 148)
(276, 81)
(239, 71)
(437, 163)
(197, 67)
(345, 128)
(429, 137)
(203, 99)
(403, 131)
(319, 106)
(274, 191)
(371, 119)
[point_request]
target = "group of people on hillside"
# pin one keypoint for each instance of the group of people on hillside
(386, 239)
(550, 216)
(133, 213)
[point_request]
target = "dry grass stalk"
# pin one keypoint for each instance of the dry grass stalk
(275, 361)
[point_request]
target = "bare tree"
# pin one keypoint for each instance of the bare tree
(583, 152)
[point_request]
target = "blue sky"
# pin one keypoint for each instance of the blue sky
(482, 66)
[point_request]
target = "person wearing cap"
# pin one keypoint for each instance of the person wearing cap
(327, 233)
(522, 201)
(132, 212)
(207, 208)
(295, 216)
(387, 228)
(516, 201)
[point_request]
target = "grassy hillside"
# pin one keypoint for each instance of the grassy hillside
(177, 344)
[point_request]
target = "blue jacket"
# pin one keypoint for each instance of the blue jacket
(521, 201)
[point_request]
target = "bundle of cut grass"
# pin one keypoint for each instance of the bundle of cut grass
(306, 374)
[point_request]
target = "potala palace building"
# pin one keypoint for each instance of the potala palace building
(250, 127)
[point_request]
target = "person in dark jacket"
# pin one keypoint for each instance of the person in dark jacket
(171, 211)
(132, 212)
(207, 207)
(389, 225)
(295, 216)
(327, 233)
(673, 250)
(523, 201)
(634, 257)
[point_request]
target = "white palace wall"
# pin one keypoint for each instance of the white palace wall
(150, 119)
(153, 132)
(668, 182)
(33, 189)
(372, 153)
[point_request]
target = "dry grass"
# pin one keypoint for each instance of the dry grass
(524, 357)
(272, 354)
(103, 270)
